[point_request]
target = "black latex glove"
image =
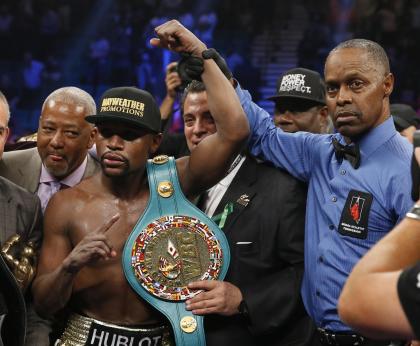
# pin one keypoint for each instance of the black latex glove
(190, 68)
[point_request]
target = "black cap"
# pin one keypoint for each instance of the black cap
(128, 105)
(300, 83)
(404, 116)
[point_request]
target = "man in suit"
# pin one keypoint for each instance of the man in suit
(60, 160)
(64, 137)
(259, 302)
(20, 213)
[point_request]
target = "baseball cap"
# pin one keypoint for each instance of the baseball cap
(300, 83)
(128, 105)
(404, 116)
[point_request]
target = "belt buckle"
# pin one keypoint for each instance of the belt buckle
(326, 337)
(359, 340)
(332, 340)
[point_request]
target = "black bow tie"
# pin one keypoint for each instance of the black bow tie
(349, 152)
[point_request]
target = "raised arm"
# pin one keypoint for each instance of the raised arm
(211, 158)
(60, 262)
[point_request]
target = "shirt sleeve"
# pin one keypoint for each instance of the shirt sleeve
(294, 152)
(409, 294)
(399, 194)
(403, 201)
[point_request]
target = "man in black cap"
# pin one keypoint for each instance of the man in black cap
(300, 102)
(406, 119)
(80, 264)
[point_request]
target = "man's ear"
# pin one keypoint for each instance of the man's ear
(92, 136)
(3, 141)
(323, 112)
(156, 140)
(388, 84)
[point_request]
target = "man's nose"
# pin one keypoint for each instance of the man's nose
(288, 115)
(199, 128)
(343, 96)
(115, 142)
(57, 141)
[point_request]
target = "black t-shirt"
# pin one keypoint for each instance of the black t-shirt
(409, 294)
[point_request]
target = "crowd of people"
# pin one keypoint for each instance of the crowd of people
(315, 201)
(53, 43)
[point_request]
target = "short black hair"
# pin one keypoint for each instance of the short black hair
(375, 51)
(194, 87)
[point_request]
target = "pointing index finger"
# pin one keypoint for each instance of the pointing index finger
(105, 227)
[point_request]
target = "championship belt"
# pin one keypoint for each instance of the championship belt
(172, 244)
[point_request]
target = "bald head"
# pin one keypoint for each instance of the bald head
(377, 55)
(72, 95)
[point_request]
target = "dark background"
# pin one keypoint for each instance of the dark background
(98, 44)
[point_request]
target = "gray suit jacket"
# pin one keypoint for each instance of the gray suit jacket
(23, 167)
(20, 212)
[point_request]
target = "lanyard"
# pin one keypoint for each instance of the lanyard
(234, 164)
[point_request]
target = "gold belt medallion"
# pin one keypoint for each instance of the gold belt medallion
(173, 251)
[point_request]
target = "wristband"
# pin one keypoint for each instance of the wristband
(414, 212)
(210, 53)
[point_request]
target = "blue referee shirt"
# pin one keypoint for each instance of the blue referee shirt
(348, 210)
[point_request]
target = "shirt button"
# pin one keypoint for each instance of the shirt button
(331, 227)
(334, 199)
(318, 294)
(343, 171)
(321, 259)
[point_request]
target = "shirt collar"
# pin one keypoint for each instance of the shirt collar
(375, 138)
(71, 180)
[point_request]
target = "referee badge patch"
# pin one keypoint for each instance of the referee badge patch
(355, 215)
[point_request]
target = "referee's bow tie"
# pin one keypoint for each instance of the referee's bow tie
(349, 152)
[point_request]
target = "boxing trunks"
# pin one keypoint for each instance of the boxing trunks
(82, 330)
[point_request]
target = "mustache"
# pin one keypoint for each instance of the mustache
(347, 112)
(53, 152)
(124, 159)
